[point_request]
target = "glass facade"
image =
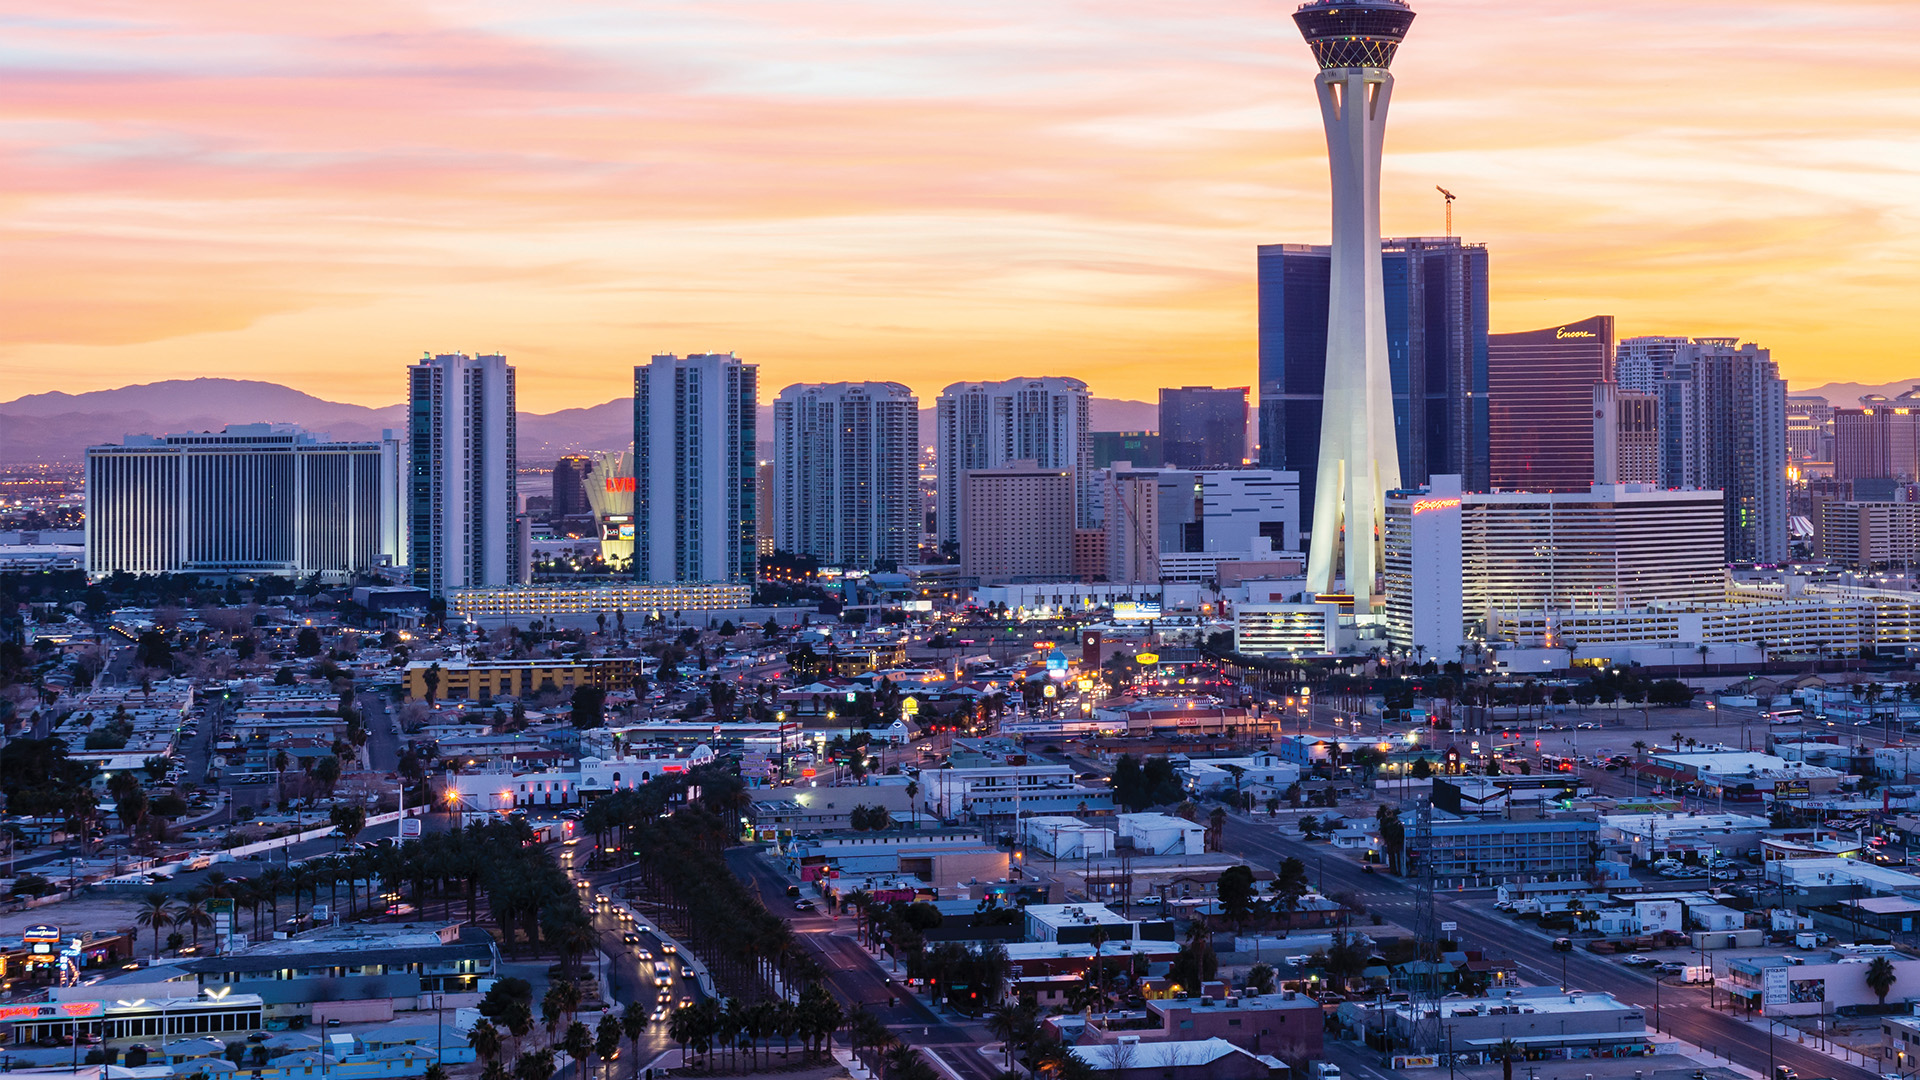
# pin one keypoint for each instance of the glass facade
(1540, 415)
(1436, 301)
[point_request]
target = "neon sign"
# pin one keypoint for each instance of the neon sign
(618, 484)
(1424, 505)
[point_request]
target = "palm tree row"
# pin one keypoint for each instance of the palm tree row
(750, 1027)
(491, 868)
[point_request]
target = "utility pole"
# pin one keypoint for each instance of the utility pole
(1449, 197)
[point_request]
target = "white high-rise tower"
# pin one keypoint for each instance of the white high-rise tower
(1354, 42)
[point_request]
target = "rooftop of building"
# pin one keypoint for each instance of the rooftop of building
(364, 943)
(1129, 1053)
(1060, 915)
(1535, 999)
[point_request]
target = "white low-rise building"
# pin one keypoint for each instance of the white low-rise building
(1161, 834)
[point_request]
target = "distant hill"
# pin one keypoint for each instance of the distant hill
(58, 427)
(1847, 395)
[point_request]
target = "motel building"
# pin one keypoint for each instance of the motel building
(107, 1012)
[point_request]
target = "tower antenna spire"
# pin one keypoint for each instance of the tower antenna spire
(1449, 198)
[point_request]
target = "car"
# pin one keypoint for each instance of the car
(803, 905)
(630, 938)
(1586, 725)
(686, 971)
(659, 1013)
(1149, 900)
(1636, 960)
(1561, 944)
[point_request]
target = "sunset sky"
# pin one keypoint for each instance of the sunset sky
(911, 190)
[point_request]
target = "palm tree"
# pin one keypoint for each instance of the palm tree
(156, 911)
(1507, 1051)
(578, 1043)
(194, 914)
(633, 1024)
(1881, 977)
(484, 1038)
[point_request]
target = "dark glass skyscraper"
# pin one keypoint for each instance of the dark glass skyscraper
(1202, 427)
(1436, 299)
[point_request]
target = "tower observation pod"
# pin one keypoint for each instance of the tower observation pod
(1354, 42)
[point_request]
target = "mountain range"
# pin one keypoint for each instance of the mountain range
(1846, 395)
(56, 428)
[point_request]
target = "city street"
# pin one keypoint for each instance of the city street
(857, 980)
(1682, 1011)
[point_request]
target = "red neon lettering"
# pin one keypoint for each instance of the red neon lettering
(1425, 505)
(620, 483)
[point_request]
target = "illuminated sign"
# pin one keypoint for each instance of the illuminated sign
(910, 706)
(1563, 333)
(63, 1010)
(41, 933)
(1146, 659)
(626, 531)
(617, 484)
(1424, 505)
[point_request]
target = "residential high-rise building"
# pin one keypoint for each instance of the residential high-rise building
(463, 482)
(1540, 385)
(1016, 524)
(985, 425)
(847, 491)
(252, 499)
(694, 437)
(570, 488)
(1641, 364)
(1723, 425)
(1436, 305)
(1810, 431)
(1353, 42)
(1203, 427)
(1626, 436)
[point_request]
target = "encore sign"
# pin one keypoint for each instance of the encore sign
(1425, 505)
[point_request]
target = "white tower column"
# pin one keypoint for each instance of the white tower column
(1354, 41)
(1359, 457)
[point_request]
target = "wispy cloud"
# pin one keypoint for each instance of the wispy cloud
(866, 188)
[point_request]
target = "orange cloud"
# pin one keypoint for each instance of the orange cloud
(889, 188)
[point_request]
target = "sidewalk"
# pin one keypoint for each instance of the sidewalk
(1815, 1043)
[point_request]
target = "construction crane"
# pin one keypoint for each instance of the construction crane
(1449, 198)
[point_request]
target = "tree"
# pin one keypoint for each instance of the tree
(1235, 888)
(307, 644)
(606, 1037)
(1309, 827)
(484, 1038)
(578, 1043)
(1260, 979)
(1881, 977)
(326, 773)
(589, 707)
(633, 1024)
(156, 910)
(1506, 1051)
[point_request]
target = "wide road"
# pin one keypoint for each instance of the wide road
(855, 979)
(1682, 1011)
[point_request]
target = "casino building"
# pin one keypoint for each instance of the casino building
(1456, 560)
